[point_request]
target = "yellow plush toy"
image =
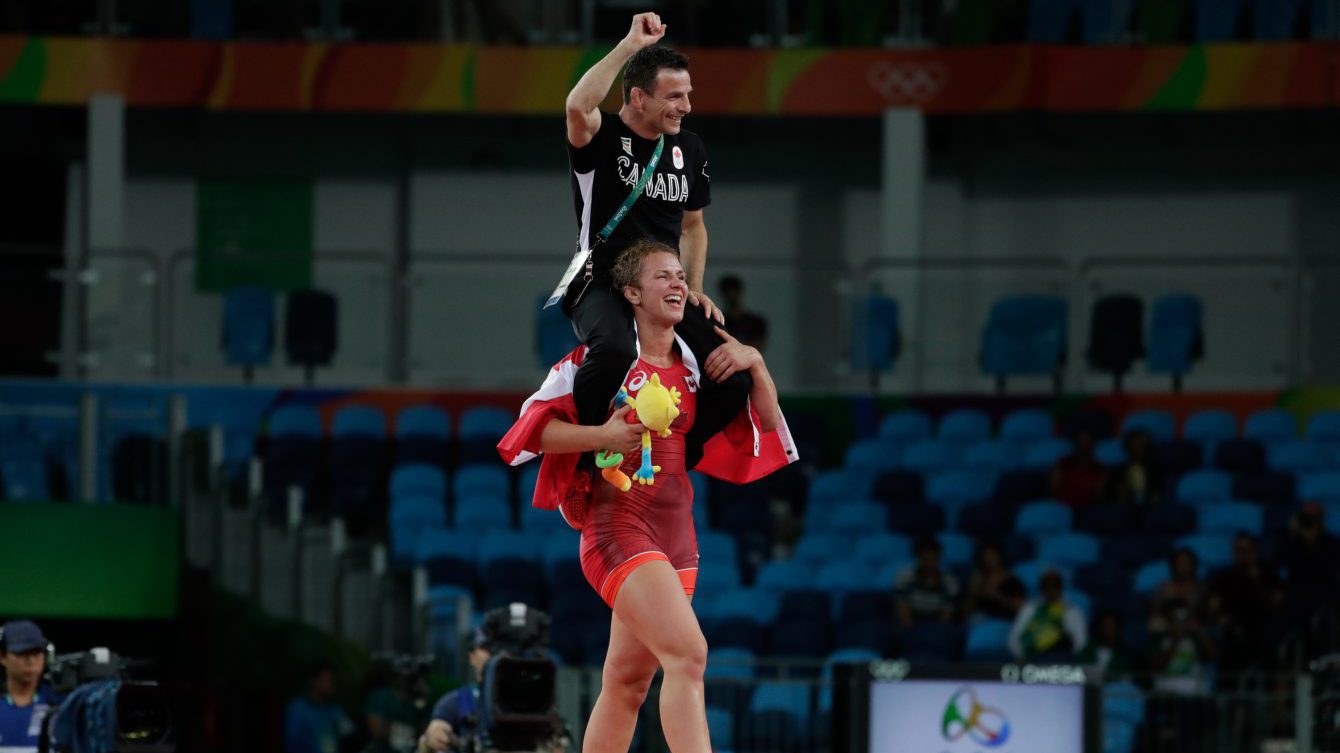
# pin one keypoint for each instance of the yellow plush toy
(656, 407)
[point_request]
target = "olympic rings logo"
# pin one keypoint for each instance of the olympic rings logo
(983, 725)
(908, 81)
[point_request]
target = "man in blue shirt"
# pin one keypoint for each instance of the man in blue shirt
(314, 723)
(456, 714)
(23, 654)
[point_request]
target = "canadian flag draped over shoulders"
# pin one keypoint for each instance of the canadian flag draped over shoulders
(739, 454)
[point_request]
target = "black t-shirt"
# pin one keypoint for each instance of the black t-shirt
(605, 170)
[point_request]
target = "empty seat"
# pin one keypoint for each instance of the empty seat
(481, 479)
(1232, 517)
(994, 455)
(839, 576)
(856, 518)
(879, 548)
(292, 453)
(1159, 424)
(1298, 456)
(1150, 576)
(957, 489)
(1025, 335)
(874, 455)
(1043, 518)
(1116, 337)
(1069, 549)
(783, 575)
(837, 486)
(963, 426)
(477, 511)
(931, 455)
(1204, 486)
(481, 429)
(1324, 427)
(1047, 452)
(423, 435)
(1110, 452)
(1320, 487)
(1214, 550)
(1028, 424)
(906, 426)
(310, 329)
(988, 641)
(248, 327)
(817, 548)
(1176, 336)
(1208, 426)
(1270, 426)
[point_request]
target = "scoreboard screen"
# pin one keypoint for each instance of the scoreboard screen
(898, 707)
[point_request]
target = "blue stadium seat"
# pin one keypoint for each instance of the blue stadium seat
(416, 510)
(1030, 573)
(449, 556)
(1204, 487)
(1270, 426)
(559, 547)
(508, 545)
(1176, 335)
(1069, 549)
(1024, 335)
(1217, 20)
(730, 664)
(540, 521)
(819, 547)
(295, 420)
(1320, 487)
(878, 547)
(957, 489)
(720, 724)
(783, 575)
(481, 511)
(760, 604)
(790, 700)
(358, 421)
(1207, 426)
(1045, 453)
(554, 338)
(838, 577)
(956, 549)
(1232, 517)
(481, 479)
(995, 454)
(963, 426)
(877, 336)
(423, 435)
(1213, 550)
(1324, 427)
(525, 485)
(718, 576)
(1159, 424)
(1043, 518)
(1297, 456)
(418, 479)
(906, 426)
(988, 641)
(23, 474)
(481, 428)
(872, 455)
(1049, 20)
(1110, 452)
(930, 455)
(1150, 576)
(1027, 424)
(715, 546)
(855, 518)
(248, 327)
(838, 486)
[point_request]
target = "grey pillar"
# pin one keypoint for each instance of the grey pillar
(902, 202)
(106, 171)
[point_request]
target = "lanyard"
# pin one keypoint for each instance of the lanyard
(604, 233)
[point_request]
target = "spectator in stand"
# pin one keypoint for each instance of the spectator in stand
(1048, 628)
(1181, 647)
(993, 591)
(748, 327)
(1244, 600)
(1078, 478)
(1184, 587)
(1107, 650)
(314, 722)
(1139, 480)
(1311, 557)
(926, 592)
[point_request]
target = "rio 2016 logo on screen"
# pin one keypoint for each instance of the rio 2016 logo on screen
(965, 716)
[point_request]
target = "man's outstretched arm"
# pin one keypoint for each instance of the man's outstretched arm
(584, 100)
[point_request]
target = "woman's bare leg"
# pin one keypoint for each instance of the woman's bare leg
(629, 669)
(652, 606)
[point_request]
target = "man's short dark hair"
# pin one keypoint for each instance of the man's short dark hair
(642, 67)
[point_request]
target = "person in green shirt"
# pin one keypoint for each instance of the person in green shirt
(1107, 650)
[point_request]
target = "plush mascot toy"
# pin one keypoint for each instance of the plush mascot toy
(656, 408)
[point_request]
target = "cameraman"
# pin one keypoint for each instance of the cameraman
(456, 714)
(23, 653)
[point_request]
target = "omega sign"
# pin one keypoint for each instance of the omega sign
(908, 81)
